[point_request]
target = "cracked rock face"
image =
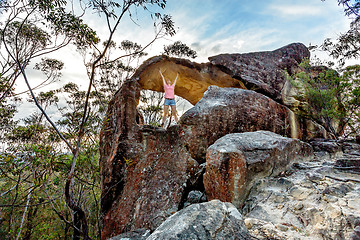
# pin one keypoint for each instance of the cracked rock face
(228, 110)
(152, 184)
(314, 200)
(210, 220)
(263, 71)
(144, 170)
(236, 161)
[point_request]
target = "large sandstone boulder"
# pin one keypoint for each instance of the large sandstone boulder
(120, 139)
(154, 184)
(139, 234)
(144, 170)
(237, 160)
(211, 220)
(264, 72)
(229, 110)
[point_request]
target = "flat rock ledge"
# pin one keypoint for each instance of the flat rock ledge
(313, 200)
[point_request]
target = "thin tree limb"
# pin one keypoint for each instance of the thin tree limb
(23, 217)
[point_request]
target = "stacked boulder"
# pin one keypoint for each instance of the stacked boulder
(230, 138)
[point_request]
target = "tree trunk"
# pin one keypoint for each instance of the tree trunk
(30, 223)
(77, 224)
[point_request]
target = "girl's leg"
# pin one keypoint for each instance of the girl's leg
(173, 112)
(166, 109)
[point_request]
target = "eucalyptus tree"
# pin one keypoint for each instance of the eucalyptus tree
(34, 28)
(334, 96)
(179, 49)
(347, 45)
(96, 59)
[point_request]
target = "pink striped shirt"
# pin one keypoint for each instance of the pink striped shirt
(169, 91)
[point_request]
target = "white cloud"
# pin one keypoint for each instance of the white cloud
(300, 8)
(296, 11)
(249, 40)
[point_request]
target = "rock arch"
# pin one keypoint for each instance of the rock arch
(194, 78)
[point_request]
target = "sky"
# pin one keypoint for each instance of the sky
(213, 27)
(233, 26)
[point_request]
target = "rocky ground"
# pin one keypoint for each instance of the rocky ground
(317, 199)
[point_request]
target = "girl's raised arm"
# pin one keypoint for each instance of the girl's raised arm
(177, 75)
(162, 77)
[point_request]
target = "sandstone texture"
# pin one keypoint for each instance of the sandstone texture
(211, 220)
(120, 139)
(312, 200)
(263, 71)
(153, 186)
(237, 160)
(326, 145)
(229, 110)
(145, 170)
(194, 78)
(272, 73)
(195, 196)
(139, 234)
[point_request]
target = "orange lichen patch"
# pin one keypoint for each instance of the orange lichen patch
(194, 78)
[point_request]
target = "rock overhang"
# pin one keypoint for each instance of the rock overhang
(194, 78)
(263, 72)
